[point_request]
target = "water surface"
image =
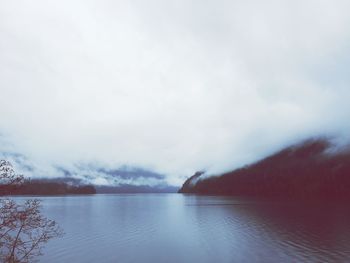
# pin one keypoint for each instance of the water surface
(182, 228)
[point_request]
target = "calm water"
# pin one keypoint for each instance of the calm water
(178, 228)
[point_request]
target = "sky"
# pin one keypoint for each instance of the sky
(169, 86)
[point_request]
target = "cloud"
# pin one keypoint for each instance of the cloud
(170, 86)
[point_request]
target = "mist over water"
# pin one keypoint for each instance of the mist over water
(182, 228)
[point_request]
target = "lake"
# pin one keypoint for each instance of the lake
(185, 228)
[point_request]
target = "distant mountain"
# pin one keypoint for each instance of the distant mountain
(69, 186)
(125, 188)
(122, 180)
(105, 179)
(310, 170)
(47, 187)
(99, 175)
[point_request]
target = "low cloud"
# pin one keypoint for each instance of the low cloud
(173, 87)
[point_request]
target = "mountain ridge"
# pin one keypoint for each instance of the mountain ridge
(311, 169)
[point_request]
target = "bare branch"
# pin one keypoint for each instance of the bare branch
(23, 228)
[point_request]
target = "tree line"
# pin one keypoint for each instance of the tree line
(46, 187)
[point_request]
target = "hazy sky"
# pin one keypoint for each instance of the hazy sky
(172, 86)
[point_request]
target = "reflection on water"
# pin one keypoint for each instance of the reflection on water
(179, 228)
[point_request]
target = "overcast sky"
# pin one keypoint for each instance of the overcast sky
(172, 86)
